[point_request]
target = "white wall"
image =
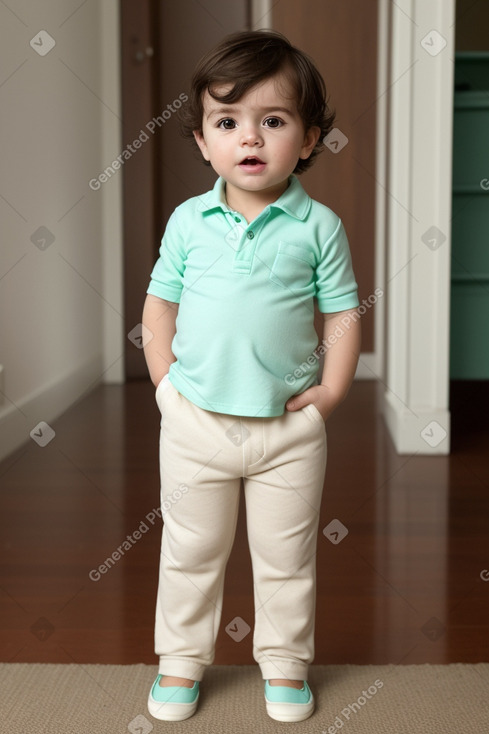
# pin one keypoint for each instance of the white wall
(60, 307)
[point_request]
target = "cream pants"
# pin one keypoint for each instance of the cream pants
(203, 456)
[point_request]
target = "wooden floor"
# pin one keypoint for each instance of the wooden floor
(408, 584)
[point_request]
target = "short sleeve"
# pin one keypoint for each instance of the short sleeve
(167, 276)
(336, 288)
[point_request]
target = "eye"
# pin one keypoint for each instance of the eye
(273, 122)
(226, 124)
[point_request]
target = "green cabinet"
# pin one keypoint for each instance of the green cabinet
(469, 329)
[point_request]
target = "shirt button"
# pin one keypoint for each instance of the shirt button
(250, 235)
(237, 219)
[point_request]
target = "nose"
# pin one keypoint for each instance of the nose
(250, 135)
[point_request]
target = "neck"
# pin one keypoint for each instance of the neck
(253, 201)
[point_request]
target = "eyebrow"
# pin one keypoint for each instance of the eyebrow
(230, 110)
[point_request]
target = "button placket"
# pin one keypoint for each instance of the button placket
(243, 258)
(245, 252)
(234, 236)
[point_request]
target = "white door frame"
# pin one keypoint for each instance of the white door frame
(418, 213)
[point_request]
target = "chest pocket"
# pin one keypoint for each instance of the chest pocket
(293, 267)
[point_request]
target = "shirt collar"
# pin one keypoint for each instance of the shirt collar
(294, 201)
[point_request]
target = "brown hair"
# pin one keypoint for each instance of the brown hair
(247, 58)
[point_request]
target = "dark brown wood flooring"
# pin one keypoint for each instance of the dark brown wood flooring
(408, 584)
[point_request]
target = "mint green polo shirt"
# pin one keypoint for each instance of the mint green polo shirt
(245, 324)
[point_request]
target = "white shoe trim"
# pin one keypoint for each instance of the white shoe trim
(166, 711)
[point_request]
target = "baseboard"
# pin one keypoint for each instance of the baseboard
(423, 431)
(46, 404)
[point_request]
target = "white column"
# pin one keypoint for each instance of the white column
(418, 225)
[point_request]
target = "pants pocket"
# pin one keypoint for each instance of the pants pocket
(313, 413)
(161, 389)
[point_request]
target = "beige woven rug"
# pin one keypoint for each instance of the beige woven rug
(371, 699)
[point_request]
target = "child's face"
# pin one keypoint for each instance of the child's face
(263, 123)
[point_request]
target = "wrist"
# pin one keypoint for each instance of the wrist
(334, 394)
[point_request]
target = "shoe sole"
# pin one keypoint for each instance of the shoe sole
(289, 711)
(172, 711)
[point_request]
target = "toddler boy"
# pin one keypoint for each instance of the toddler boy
(234, 361)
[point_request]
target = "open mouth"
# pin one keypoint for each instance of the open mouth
(251, 161)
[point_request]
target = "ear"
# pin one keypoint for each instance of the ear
(201, 143)
(310, 139)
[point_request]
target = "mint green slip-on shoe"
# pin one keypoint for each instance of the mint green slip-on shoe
(172, 703)
(289, 704)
